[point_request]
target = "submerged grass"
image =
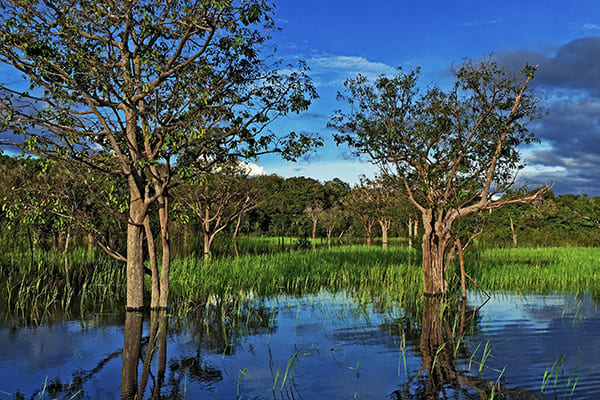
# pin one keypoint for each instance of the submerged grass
(32, 286)
(374, 272)
(540, 270)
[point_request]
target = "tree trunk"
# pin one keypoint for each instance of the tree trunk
(314, 228)
(410, 232)
(66, 254)
(135, 254)
(90, 242)
(155, 296)
(463, 286)
(329, 238)
(186, 235)
(415, 228)
(163, 215)
(237, 226)
(435, 241)
(385, 226)
(514, 235)
(206, 249)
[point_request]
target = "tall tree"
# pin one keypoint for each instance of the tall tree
(130, 86)
(453, 151)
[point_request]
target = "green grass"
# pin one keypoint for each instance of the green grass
(34, 287)
(541, 270)
(368, 270)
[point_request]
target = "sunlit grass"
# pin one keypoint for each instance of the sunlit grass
(34, 286)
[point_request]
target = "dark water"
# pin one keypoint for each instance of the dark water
(321, 346)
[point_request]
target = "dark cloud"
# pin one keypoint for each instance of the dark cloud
(574, 66)
(570, 132)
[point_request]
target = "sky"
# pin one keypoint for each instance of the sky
(339, 39)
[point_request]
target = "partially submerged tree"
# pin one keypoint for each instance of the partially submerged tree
(453, 151)
(314, 213)
(131, 86)
(360, 204)
(216, 199)
(331, 218)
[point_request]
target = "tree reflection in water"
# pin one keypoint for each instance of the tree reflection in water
(214, 328)
(133, 351)
(441, 338)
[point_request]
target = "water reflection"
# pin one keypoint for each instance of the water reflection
(319, 346)
(135, 348)
(441, 340)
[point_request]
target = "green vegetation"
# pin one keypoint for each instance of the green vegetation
(35, 290)
(541, 270)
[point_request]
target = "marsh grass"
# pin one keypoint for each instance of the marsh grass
(34, 286)
(374, 273)
(537, 270)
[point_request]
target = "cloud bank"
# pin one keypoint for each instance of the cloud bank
(570, 80)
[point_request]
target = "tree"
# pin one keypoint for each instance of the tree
(452, 151)
(331, 218)
(216, 199)
(386, 206)
(314, 213)
(132, 86)
(360, 203)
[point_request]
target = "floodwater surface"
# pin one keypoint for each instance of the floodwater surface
(321, 346)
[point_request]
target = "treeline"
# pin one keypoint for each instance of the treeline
(47, 205)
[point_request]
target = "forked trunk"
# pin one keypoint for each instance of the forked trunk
(435, 242)
(385, 226)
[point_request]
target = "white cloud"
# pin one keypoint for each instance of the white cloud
(346, 170)
(590, 27)
(253, 169)
(334, 69)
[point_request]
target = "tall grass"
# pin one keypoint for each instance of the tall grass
(369, 270)
(541, 270)
(34, 286)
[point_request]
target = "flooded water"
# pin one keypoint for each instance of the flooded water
(323, 346)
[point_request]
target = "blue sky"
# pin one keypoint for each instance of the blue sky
(339, 39)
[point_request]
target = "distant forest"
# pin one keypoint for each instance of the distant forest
(46, 205)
